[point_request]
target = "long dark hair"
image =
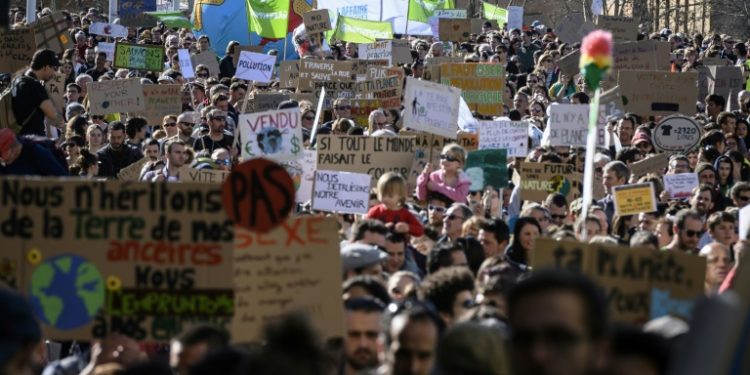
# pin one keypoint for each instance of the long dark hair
(516, 252)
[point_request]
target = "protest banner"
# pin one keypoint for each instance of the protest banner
(681, 185)
(289, 74)
(354, 30)
(537, 180)
(204, 176)
(262, 101)
(487, 168)
(274, 134)
(652, 164)
(122, 95)
(510, 135)
(186, 63)
(108, 30)
(297, 267)
(51, 32)
(623, 29)
(55, 87)
(567, 125)
(302, 172)
(382, 50)
(642, 55)
(161, 100)
(634, 199)
(341, 192)
(639, 284)
(311, 71)
(108, 48)
(238, 51)
(132, 13)
(372, 155)
(17, 47)
(431, 107)
(677, 134)
(481, 85)
(454, 30)
(139, 57)
(145, 243)
(568, 64)
(207, 58)
(133, 171)
(256, 67)
(725, 81)
(654, 93)
(515, 17)
(316, 21)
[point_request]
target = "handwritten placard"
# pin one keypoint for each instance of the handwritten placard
(311, 71)
(537, 180)
(431, 107)
(343, 192)
(302, 172)
(161, 100)
(680, 185)
(382, 50)
(17, 47)
(567, 125)
(255, 66)
(275, 135)
(289, 74)
(55, 87)
(371, 155)
(634, 199)
(510, 135)
(139, 57)
(623, 29)
(481, 85)
(124, 95)
(317, 21)
(208, 59)
(186, 63)
(454, 30)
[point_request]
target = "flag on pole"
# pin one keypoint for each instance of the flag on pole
(172, 19)
(268, 18)
(492, 12)
(422, 10)
(361, 31)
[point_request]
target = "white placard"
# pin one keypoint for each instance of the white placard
(255, 66)
(510, 135)
(302, 172)
(186, 64)
(744, 222)
(108, 48)
(515, 17)
(567, 125)
(343, 192)
(110, 30)
(431, 107)
(681, 185)
(382, 50)
(275, 135)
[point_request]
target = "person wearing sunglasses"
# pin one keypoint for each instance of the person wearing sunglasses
(450, 180)
(740, 194)
(169, 124)
(557, 205)
(216, 138)
(342, 108)
(437, 205)
(688, 228)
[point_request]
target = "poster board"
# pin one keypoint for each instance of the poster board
(209, 59)
(680, 185)
(431, 107)
(371, 155)
(387, 90)
(51, 32)
(316, 21)
(203, 176)
(481, 85)
(726, 81)
(655, 93)
(302, 172)
(537, 180)
(132, 13)
(106, 97)
(98, 255)
(295, 267)
(139, 57)
(108, 48)
(623, 29)
(487, 168)
(639, 284)
(289, 74)
(55, 87)
(341, 192)
(568, 125)
(642, 55)
(515, 17)
(380, 50)
(108, 30)
(238, 51)
(651, 164)
(454, 30)
(17, 47)
(161, 100)
(133, 171)
(573, 28)
(256, 67)
(275, 135)
(568, 64)
(634, 199)
(510, 135)
(311, 71)
(262, 101)
(186, 63)
(677, 134)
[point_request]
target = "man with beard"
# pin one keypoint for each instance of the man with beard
(363, 346)
(688, 228)
(116, 155)
(216, 138)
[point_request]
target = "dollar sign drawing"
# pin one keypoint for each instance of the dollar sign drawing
(295, 144)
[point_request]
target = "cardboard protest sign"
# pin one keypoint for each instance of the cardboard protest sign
(317, 21)
(481, 85)
(568, 64)
(652, 93)
(372, 155)
(568, 125)
(431, 107)
(341, 192)
(454, 30)
(113, 96)
(207, 58)
(272, 134)
(387, 90)
(642, 55)
(681, 185)
(476, 25)
(400, 52)
(639, 284)
(651, 164)
(139, 57)
(469, 141)
(255, 66)
(614, 109)
(238, 52)
(515, 17)
(132, 13)
(450, 13)
(262, 101)
(143, 244)
(133, 171)
(51, 32)
(302, 172)
(161, 100)
(537, 180)
(311, 71)
(623, 29)
(17, 47)
(204, 176)
(55, 87)
(361, 109)
(573, 28)
(677, 134)
(487, 168)
(510, 135)
(108, 48)
(186, 63)
(634, 199)
(295, 267)
(725, 80)
(289, 74)
(108, 30)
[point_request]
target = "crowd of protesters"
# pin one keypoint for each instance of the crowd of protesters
(436, 280)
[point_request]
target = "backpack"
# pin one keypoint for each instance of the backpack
(7, 116)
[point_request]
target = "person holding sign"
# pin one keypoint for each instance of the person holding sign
(30, 101)
(175, 157)
(450, 180)
(391, 211)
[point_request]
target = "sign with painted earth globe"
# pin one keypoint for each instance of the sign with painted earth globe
(66, 291)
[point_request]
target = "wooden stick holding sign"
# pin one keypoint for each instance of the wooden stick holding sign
(317, 114)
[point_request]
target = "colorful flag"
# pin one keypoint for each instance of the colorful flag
(268, 18)
(492, 12)
(172, 19)
(422, 10)
(361, 31)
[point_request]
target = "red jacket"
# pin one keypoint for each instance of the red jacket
(401, 215)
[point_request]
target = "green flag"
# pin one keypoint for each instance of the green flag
(422, 10)
(268, 18)
(172, 19)
(361, 31)
(492, 12)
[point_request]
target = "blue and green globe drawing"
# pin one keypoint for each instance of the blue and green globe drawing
(66, 291)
